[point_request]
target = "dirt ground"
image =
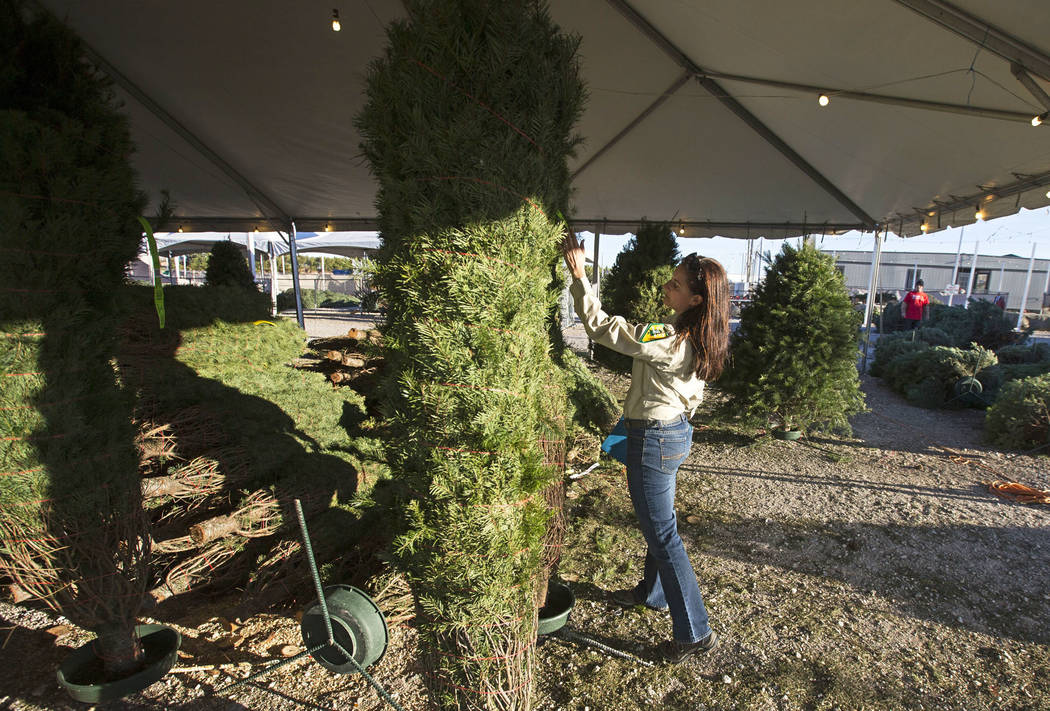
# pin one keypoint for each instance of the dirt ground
(865, 572)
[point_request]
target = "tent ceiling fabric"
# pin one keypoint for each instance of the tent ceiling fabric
(273, 90)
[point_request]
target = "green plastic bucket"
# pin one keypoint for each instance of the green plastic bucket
(555, 611)
(358, 626)
(160, 644)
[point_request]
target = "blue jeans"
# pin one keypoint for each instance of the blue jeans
(655, 450)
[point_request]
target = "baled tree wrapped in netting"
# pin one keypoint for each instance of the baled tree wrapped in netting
(633, 287)
(794, 356)
(72, 530)
(468, 128)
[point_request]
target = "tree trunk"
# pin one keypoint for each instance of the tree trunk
(120, 650)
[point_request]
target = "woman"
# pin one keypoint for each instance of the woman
(670, 366)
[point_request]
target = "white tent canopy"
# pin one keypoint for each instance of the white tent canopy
(703, 112)
(265, 243)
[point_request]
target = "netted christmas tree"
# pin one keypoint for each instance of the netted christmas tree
(72, 529)
(794, 356)
(633, 288)
(468, 128)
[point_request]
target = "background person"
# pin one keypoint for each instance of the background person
(671, 363)
(913, 305)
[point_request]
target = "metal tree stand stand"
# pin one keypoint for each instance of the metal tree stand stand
(330, 644)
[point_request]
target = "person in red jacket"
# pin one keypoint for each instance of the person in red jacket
(913, 305)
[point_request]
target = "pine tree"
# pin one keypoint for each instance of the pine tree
(794, 355)
(227, 267)
(71, 520)
(468, 130)
(633, 288)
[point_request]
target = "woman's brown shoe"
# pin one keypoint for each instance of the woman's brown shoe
(676, 652)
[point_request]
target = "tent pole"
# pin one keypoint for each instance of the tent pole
(295, 278)
(1027, 283)
(273, 280)
(597, 276)
(251, 252)
(958, 256)
(171, 271)
(869, 304)
(973, 271)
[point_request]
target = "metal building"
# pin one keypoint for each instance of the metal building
(993, 275)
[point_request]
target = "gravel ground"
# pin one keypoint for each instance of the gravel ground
(873, 571)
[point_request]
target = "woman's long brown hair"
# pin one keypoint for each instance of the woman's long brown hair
(706, 325)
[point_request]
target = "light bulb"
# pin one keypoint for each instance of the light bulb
(823, 100)
(924, 227)
(979, 215)
(328, 227)
(681, 230)
(335, 21)
(1048, 193)
(180, 228)
(1037, 120)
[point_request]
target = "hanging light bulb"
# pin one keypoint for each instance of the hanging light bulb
(681, 228)
(1048, 193)
(924, 227)
(328, 227)
(335, 20)
(1038, 120)
(823, 100)
(979, 215)
(180, 228)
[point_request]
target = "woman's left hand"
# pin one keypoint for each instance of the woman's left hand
(574, 256)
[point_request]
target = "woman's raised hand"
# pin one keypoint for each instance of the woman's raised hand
(574, 256)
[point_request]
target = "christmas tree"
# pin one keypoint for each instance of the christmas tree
(468, 128)
(794, 355)
(633, 288)
(227, 267)
(72, 530)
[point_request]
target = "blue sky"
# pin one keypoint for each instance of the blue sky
(1013, 234)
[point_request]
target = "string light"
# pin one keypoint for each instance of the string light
(924, 227)
(335, 20)
(823, 100)
(180, 228)
(328, 227)
(1038, 120)
(979, 215)
(681, 228)
(989, 198)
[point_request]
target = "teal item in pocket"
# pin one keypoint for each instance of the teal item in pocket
(615, 445)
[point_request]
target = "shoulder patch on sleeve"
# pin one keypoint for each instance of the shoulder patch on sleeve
(655, 332)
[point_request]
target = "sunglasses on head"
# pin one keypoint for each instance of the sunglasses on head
(692, 262)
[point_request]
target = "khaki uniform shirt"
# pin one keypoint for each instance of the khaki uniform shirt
(663, 381)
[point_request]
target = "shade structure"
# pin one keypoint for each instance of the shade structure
(266, 243)
(703, 113)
